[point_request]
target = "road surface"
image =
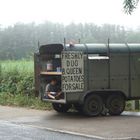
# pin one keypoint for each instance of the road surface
(31, 124)
(9, 131)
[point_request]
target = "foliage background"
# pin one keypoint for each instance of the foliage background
(21, 40)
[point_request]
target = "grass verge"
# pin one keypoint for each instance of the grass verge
(23, 101)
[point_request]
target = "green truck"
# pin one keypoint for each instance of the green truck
(92, 77)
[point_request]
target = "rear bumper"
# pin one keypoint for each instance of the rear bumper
(62, 101)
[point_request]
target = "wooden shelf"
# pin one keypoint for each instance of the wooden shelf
(50, 73)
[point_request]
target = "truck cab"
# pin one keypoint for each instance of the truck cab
(92, 77)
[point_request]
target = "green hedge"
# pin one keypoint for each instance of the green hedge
(16, 77)
(17, 85)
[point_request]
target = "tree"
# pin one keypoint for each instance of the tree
(130, 5)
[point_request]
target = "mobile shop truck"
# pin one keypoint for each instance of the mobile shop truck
(91, 76)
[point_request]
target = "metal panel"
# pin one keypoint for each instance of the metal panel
(134, 48)
(135, 72)
(98, 74)
(119, 71)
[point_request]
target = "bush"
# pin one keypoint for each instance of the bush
(17, 78)
(17, 85)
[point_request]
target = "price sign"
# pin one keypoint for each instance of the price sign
(72, 71)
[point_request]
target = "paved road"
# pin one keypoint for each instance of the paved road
(39, 123)
(9, 131)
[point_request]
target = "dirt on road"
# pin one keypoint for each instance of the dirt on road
(125, 126)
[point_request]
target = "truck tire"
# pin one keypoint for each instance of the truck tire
(61, 108)
(115, 104)
(93, 105)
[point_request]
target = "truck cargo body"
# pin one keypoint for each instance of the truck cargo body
(108, 69)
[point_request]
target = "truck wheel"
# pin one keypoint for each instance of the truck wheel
(93, 105)
(61, 108)
(115, 104)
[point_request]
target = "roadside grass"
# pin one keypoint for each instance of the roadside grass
(128, 106)
(17, 85)
(23, 101)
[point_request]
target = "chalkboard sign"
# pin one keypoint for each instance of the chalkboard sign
(72, 71)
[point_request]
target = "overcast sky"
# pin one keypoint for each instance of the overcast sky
(67, 11)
